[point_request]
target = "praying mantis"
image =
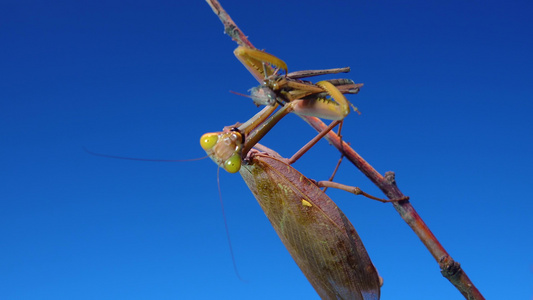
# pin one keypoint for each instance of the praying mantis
(319, 237)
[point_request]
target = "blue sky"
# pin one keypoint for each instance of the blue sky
(446, 105)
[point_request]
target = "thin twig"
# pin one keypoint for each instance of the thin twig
(449, 268)
(334, 172)
(354, 190)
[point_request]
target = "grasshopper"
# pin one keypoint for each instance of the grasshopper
(323, 99)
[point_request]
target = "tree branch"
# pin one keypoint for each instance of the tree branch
(449, 268)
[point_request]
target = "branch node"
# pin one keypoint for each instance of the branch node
(390, 178)
(232, 31)
(449, 267)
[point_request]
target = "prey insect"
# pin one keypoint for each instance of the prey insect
(323, 99)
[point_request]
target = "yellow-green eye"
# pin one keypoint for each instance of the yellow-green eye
(208, 140)
(233, 164)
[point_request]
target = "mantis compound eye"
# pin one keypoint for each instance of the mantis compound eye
(233, 164)
(208, 140)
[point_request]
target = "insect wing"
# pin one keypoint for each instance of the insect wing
(317, 234)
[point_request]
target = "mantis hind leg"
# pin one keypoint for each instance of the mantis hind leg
(336, 107)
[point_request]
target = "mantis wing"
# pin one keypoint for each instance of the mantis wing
(317, 234)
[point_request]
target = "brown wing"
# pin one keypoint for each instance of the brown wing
(317, 234)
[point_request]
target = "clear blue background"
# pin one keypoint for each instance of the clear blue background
(447, 105)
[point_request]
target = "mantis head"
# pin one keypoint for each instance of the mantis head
(224, 148)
